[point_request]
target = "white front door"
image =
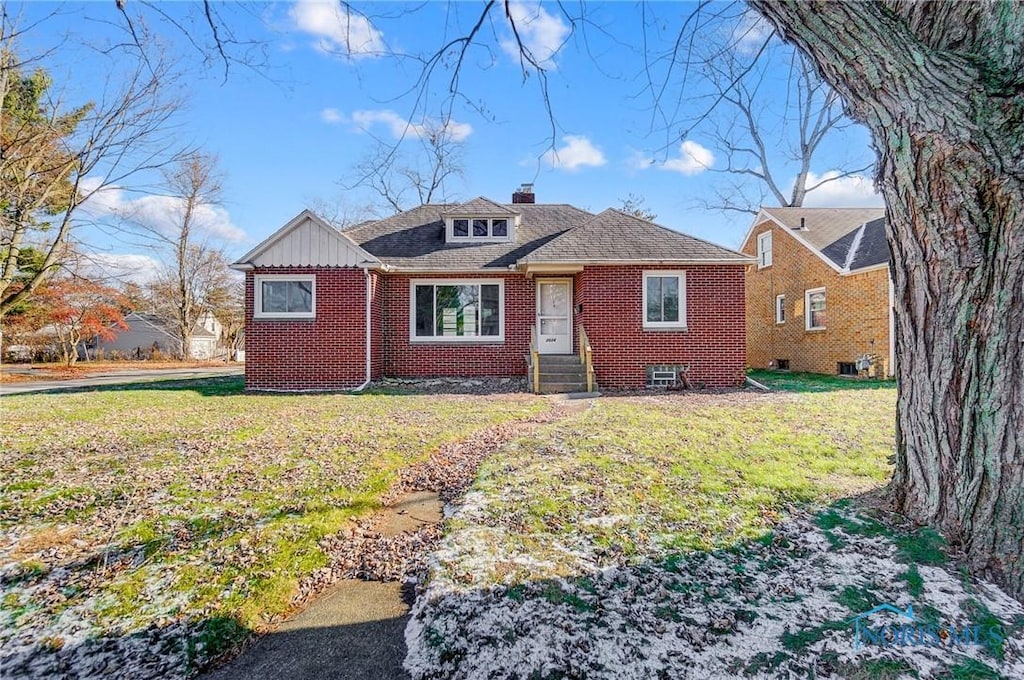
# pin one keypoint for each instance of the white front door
(554, 316)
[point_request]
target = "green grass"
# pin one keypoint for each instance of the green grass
(970, 669)
(879, 669)
(915, 582)
(980, 616)
(200, 500)
(800, 640)
(817, 382)
(924, 546)
(857, 599)
(637, 476)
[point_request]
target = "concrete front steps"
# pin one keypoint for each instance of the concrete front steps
(562, 373)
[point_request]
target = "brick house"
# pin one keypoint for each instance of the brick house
(819, 297)
(488, 289)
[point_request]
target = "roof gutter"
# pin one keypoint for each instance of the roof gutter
(660, 261)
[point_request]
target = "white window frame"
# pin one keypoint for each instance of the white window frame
(469, 238)
(435, 339)
(665, 325)
(807, 308)
(780, 309)
(257, 307)
(762, 251)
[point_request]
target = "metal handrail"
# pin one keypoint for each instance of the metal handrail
(587, 357)
(534, 361)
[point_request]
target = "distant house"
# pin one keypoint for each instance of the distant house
(819, 298)
(481, 288)
(150, 332)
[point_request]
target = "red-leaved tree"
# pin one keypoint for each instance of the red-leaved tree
(76, 310)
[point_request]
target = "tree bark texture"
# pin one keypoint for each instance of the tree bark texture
(940, 85)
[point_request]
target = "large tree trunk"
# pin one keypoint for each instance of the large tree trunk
(941, 88)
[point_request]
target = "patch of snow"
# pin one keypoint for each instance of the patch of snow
(765, 610)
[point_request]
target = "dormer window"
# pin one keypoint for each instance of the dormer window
(479, 228)
(480, 221)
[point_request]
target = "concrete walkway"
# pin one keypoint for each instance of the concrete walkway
(354, 630)
(121, 378)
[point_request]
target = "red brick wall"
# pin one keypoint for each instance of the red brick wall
(328, 352)
(406, 359)
(714, 344)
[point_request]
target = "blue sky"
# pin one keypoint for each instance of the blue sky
(289, 133)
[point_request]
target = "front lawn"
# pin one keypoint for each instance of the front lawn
(638, 476)
(701, 535)
(137, 509)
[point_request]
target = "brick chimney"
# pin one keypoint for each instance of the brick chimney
(524, 194)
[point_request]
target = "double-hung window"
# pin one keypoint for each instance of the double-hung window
(764, 250)
(456, 311)
(780, 309)
(284, 296)
(814, 302)
(664, 300)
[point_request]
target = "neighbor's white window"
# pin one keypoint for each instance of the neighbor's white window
(764, 250)
(780, 309)
(814, 302)
(664, 300)
(457, 311)
(284, 296)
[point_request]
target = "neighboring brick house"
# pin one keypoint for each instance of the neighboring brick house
(470, 289)
(819, 297)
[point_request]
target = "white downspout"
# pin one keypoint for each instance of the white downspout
(892, 329)
(369, 344)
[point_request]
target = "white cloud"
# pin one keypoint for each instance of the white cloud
(751, 33)
(542, 34)
(331, 116)
(162, 214)
(337, 28)
(101, 200)
(693, 159)
(855, 191)
(400, 127)
(638, 160)
(126, 267)
(576, 152)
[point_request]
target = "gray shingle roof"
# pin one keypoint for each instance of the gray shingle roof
(415, 239)
(852, 238)
(614, 235)
(865, 246)
(480, 207)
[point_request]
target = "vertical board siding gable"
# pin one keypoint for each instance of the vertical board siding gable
(310, 245)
